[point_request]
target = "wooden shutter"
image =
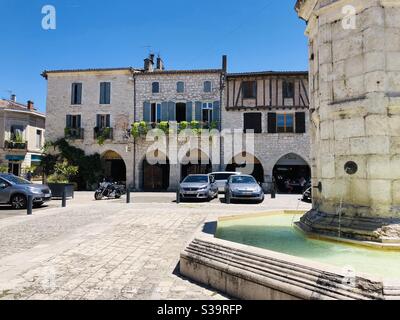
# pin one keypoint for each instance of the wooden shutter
(271, 122)
(171, 111)
(300, 122)
(189, 111)
(98, 121)
(108, 121)
(216, 111)
(102, 92)
(252, 121)
(146, 111)
(107, 94)
(78, 121)
(198, 108)
(79, 93)
(164, 111)
(68, 121)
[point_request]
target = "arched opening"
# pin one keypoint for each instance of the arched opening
(247, 163)
(291, 173)
(195, 162)
(114, 167)
(155, 173)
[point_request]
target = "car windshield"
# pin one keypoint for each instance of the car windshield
(196, 179)
(16, 180)
(243, 179)
(222, 176)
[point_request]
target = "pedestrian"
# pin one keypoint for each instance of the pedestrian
(29, 176)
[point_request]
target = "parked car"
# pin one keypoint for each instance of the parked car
(244, 187)
(221, 178)
(198, 186)
(15, 191)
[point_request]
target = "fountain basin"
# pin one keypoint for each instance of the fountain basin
(265, 257)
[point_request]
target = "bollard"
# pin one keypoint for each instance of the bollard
(273, 193)
(64, 199)
(128, 196)
(178, 196)
(29, 205)
(227, 198)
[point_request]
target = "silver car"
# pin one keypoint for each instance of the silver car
(198, 186)
(221, 178)
(15, 191)
(244, 187)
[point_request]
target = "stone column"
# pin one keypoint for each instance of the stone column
(355, 112)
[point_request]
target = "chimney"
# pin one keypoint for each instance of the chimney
(149, 63)
(13, 98)
(160, 64)
(30, 105)
(224, 63)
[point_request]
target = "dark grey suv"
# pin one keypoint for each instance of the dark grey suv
(15, 191)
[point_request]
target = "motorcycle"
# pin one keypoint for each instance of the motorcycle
(109, 190)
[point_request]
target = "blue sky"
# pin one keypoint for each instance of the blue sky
(255, 34)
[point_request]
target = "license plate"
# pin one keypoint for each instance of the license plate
(47, 195)
(191, 192)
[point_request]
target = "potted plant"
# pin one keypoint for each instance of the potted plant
(59, 182)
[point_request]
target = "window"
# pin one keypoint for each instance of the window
(207, 112)
(288, 90)
(38, 139)
(17, 133)
(285, 123)
(180, 87)
(249, 89)
(103, 121)
(252, 122)
(76, 93)
(105, 93)
(180, 112)
(155, 112)
(207, 86)
(155, 87)
(73, 121)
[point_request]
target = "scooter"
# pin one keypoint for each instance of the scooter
(109, 190)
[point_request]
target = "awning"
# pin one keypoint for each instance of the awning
(36, 158)
(15, 158)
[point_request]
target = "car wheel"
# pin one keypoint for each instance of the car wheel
(18, 201)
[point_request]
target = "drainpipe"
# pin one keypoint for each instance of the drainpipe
(222, 87)
(134, 139)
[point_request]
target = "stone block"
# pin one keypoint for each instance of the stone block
(380, 191)
(377, 125)
(349, 128)
(393, 61)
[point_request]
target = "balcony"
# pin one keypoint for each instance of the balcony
(74, 133)
(13, 145)
(103, 133)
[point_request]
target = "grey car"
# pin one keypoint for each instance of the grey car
(15, 191)
(244, 187)
(221, 178)
(198, 186)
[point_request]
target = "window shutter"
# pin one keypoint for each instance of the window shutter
(198, 108)
(98, 121)
(73, 93)
(79, 93)
(107, 93)
(189, 111)
(164, 111)
(216, 111)
(78, 121)
(68, 122)
(271, 122)
(252, 121)
(108, 121)
(171, 111)
(146, 111)
(300, 122)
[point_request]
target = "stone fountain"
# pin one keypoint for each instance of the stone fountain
(354, 58)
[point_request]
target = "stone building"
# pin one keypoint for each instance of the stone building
(22, 130)
(87, 106)
(275, 106)
(355, 98)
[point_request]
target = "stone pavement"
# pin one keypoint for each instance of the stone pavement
(108, 249)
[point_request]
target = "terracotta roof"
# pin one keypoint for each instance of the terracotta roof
(268, 73)
(183, 71)
(12, 105)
